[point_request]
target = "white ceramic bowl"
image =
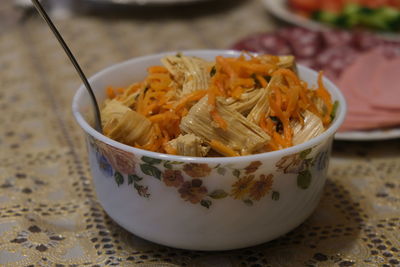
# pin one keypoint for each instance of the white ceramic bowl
(204, 203)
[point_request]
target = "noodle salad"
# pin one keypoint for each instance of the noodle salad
(232, 106)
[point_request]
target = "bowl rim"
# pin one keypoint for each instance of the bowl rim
(339, 118)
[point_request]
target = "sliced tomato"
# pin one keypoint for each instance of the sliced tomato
(377, 3)
(393, 3)
(305, 5)
(332, 5)
(374, 3)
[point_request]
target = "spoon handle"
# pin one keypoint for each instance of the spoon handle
(43, 13)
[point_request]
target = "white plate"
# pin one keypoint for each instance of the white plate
(280, 9)
(370, 135)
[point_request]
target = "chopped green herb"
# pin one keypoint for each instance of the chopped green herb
(278, 123)
(333, 113)
(213, 71)
(274, 119)
(257, 82)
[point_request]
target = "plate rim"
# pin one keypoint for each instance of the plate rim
(370, 135)
(279, 9)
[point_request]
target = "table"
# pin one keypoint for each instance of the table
(49, 214)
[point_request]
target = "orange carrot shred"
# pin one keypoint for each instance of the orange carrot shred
(223, 149)
(157, 69)
(110, 92)
(197, 95)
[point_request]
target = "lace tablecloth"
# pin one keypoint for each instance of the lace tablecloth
(49, 214)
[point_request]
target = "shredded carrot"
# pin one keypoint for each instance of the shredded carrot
(218, 119)
(252, 67)
(279, 140)
(170, 150)
(237, 92)
(226, 66)
(271, 146)
(283, 117)
(120, 90)
(223, 149)
(261, 80)
(157, 69)
(293, 100)
(110, 92)
(263, 124)
(158, 117)
(159, 98)
(212, 93)
(326, 98)
(292, 77)
(149, 109)
(195, 96)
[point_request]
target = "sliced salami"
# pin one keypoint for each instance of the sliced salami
(269, 43)
(332, 38)
(334, 60)
(364, 41)
(250, 43)
(274, 44)
(304, 43)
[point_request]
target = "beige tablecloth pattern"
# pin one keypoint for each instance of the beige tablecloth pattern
(49, 214)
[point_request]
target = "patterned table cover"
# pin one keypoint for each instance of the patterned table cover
(49, 214)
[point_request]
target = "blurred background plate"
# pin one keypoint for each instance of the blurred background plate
(27, 3)
(145, 2)
(379, 134)
(281, 10)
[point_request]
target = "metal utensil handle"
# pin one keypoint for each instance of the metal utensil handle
(43, 13)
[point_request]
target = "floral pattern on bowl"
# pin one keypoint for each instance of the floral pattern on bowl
(301, 164)
(187, 178)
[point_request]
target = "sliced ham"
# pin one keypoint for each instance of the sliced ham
(354, 83)
(356, 125)
(362, 86)
(386, 93)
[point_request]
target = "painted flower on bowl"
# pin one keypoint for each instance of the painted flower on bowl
(193, 191)
(173, 178)
(321, 160)
(248, 185)
(122, 161)
(290, 164)
(196, 169)
(294, 163)
(242, 186)
(261, 187)
(104, 165)
(253, 166)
